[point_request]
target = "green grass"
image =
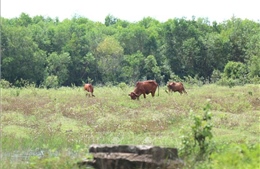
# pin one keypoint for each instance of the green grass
(63, 121)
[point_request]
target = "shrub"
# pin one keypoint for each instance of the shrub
(122, 85)
(197, 142)
(5, 84)
(228, 82)
(236, 156)
(174, 77)
(24, 83)
(216, 75)
(51, 82)
(194, 81)
(254, 67)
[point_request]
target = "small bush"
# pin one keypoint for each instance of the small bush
(51, 82)
(228, 82)
(216, 76)
(255, 80)
(122, 85)
(196, 144)
(236, 156)
(234, 70)
(194, 81)
(24, 83)
(5, 84)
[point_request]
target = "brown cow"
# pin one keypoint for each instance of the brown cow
(144, 87)
(176, 87)
(89, 88)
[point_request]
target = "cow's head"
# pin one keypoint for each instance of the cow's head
(133, 95)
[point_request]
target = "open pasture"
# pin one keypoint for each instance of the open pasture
(58, 125)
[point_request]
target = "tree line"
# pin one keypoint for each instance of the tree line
(49, 52)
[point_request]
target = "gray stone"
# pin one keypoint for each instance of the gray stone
(132, 157)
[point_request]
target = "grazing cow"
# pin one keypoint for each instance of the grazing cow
(89, 88)
(176, 87)
(144, 87)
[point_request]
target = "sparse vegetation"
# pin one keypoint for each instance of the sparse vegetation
(53, 128)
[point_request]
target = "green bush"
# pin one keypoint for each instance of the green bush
(24, 83)
(51, 82)
(5, 84)
(224, 81)
(197, 142)
(216, 76)
(254, 67)
(194, 81)
(237, 156)
(255, 80)
(122, 85)
(235, 70)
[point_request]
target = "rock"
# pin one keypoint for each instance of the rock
(132, 157)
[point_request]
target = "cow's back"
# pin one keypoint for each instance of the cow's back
(88, 87)
(152, 84)
(176, 86)
(146, 86)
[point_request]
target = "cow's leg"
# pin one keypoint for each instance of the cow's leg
(144, 95)
(153, 94)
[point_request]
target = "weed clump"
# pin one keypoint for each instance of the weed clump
(196, 145)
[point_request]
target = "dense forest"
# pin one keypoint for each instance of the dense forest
(50, 52)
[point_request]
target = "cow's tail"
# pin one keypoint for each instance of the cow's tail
(158, 90)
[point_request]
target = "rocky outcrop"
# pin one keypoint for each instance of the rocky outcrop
(132, 157)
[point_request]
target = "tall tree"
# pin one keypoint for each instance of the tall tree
(109, 55)
(132, 67)
(78, 47)
(151, 69)
(21, 57)
(57, 65)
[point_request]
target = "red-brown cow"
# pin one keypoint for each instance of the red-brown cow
(144, 87)
(176, 87)
(90, 89)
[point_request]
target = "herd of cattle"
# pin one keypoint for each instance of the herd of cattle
(143, 88)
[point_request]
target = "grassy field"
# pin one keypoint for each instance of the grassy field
(51, 128)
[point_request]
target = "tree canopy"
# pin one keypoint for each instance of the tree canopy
(75, 50)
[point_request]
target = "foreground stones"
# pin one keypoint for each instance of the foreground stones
(132, 157)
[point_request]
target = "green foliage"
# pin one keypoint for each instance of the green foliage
(57, 65)
(216, 75)
(132, 67)
(197, 142)
(51, 82)
(5, 84)
(194, 81)
(175, 78)
(235, 73)
(202, 129)
(255, 80)
(23, 83)
(49, 162)
(122, 85)
(254, 67)
(227, 82)
(119, 51)
(152, 71)
(109, 56)
(110, 20)
(235, 70)
(238, 156)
